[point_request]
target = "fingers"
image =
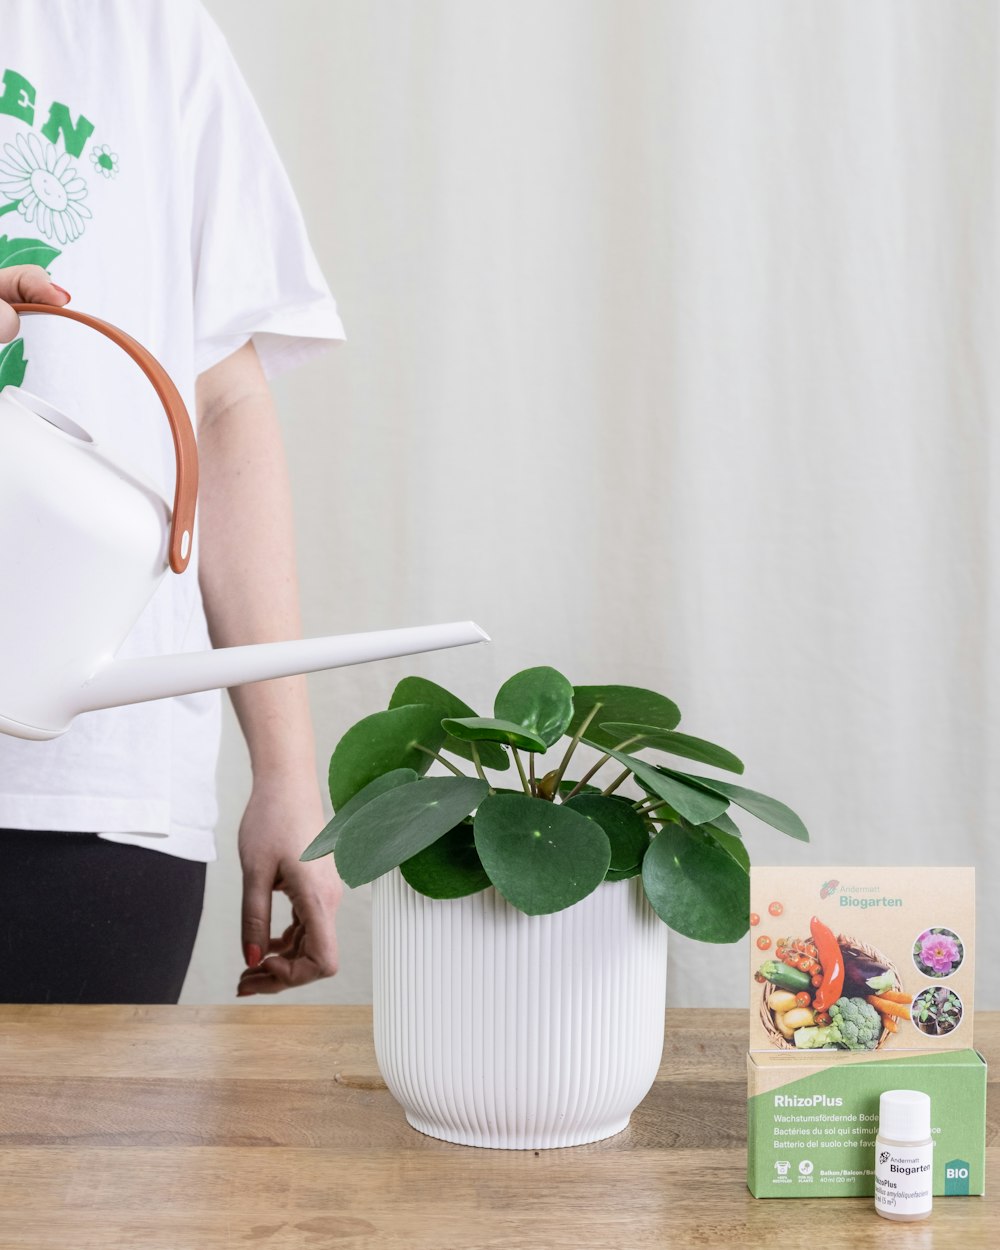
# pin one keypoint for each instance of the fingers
(256, 916)
(298, 965)
(277, 973)
(289, 942)
(278, 946)
(25, 284)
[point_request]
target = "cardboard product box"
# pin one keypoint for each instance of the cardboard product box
(898, 944)
(811, 1123)
(914, 925)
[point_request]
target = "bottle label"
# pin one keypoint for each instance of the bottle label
(903, 1178)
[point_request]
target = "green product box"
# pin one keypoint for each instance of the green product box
(812, 1120)
(861, 980)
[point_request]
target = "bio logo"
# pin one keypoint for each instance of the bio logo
(956, 1177)
(828, 888)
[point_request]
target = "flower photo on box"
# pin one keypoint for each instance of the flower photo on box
(938, 952)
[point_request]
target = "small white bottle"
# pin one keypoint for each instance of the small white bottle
(904, 1156)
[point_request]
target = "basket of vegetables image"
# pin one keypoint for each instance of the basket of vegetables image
(830, 992)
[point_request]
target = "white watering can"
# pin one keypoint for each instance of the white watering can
(84, 543)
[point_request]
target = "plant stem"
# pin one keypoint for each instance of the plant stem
(573, 745)
(649, 804)
(440, 759)
(9, 208)
(531, 774)
(627, 742)
(586, 777)
(603, 760)
(626, 772)
(520, 769)
(475, 760)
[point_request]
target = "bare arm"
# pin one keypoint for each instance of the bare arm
(250, 589)
(248, 576)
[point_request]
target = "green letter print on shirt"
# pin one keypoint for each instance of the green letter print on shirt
(19, 252)
(18, 99)
(75, 135)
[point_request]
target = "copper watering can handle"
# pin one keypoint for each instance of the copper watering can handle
(185, 447)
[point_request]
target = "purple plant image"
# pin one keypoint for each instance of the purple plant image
(938, 952)
(937, 1010)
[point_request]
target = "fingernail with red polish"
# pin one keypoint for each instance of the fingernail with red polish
(63, 292)
(253, 955)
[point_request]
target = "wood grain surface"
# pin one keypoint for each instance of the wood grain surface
(268, 1126)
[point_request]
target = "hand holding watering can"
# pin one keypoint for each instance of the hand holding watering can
(77, 578)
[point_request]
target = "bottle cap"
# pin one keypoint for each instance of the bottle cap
(904, 1115)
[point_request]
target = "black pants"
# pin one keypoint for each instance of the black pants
(84, 920)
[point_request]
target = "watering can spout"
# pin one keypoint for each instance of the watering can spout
(85, 540)
(159, 677)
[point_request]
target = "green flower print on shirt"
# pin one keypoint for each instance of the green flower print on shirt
(12, 364)
(47, 186)
(41, 181)
(105, 161)
(47, 191)
(20, 252)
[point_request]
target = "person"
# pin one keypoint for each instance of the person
(136, 173)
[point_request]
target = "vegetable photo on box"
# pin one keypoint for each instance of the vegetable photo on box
(829, 992)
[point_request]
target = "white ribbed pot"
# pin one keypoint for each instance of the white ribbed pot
(493, 1028)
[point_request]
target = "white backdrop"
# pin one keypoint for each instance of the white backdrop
(672, 361)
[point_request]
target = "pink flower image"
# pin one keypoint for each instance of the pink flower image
(939, 952)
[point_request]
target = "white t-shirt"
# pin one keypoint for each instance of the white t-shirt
(136, 168)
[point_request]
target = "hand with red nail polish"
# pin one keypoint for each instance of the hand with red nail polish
(280, 821)
(25, 284)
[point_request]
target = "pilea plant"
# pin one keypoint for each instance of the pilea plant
(552, 840)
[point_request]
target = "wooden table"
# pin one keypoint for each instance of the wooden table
(268, 1127)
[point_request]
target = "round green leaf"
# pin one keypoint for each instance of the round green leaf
(619, 703)
(625, 828)
(539, 699)
(688, 801)
(770, 811)
(421, 690)
(326, 841)
(401, 822)
(380, 743)
(486, 729)
(673, 743)
(623, 874)
(696, 887)
(541, 856)
(449, 867)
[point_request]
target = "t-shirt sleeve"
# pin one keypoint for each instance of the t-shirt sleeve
(254, 271)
